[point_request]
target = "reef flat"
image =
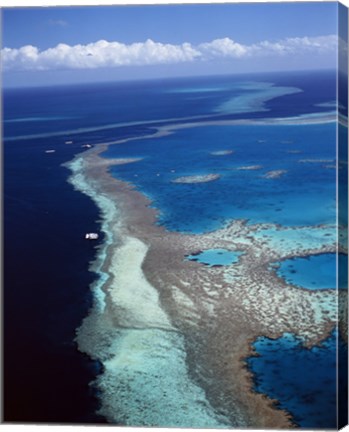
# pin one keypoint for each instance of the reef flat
(181, 330)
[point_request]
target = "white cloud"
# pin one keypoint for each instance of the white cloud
(115, 54)
(95, 55)
(304, 45)
(223, 48)
(59, 23)
(291, 46)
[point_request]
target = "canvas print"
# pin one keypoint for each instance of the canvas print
(175, 215)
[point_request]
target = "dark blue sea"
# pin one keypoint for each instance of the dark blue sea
(315, 271)
(46, 260)
(303, 381)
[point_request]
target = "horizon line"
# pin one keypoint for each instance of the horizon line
(162, 78)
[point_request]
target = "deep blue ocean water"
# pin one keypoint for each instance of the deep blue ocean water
(46, 292)
(68, 108)
(315, 272)
(46, 278)
(303, 381)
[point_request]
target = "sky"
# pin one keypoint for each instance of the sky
(62, 45)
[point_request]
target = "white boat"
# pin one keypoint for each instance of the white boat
(69, 142)
(50, 151)
(91, 236)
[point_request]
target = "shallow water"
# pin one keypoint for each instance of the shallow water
(216, 257)
(298, 238)
(146, 383)
(202, 207)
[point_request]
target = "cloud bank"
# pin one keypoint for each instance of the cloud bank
(104, 54)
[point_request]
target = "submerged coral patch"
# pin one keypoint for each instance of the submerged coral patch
(222, 152)
(197, 178)
(274, 174)
(249, 168)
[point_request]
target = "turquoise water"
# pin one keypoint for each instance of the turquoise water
(237, 194)
(314, 272)
(216, 257)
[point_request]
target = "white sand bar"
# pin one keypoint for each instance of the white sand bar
(131, 291)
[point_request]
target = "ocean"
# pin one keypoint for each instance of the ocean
(265, 173)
